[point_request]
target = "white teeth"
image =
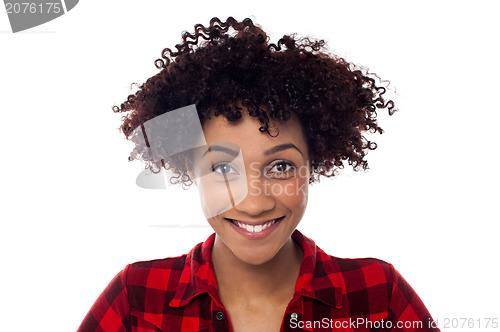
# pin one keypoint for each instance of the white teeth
(254, 229)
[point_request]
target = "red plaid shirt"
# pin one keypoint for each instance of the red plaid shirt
(180, 294)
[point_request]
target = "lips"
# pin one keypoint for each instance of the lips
(254, 227)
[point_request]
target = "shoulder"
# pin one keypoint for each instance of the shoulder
(151, 285)
(160, 276)
(156, 273)
(161, 263)
(353, 274)
(370, 274)
(370, 267)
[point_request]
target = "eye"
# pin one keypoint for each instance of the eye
(223, 168)
(282, 169)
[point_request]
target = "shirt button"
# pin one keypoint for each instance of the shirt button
(294, 315)
(220, 315)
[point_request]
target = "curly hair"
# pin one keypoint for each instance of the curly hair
(219, 71)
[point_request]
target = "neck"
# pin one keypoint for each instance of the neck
(273, 280)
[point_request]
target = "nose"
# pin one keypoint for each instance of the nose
(259, 198)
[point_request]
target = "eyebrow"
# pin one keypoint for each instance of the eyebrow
(221, 148)
(272, 150)
(282, 147)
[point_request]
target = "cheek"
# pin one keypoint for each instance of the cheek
(218, 196)
(294, 194)
(214, 198)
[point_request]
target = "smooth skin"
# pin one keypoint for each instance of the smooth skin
(256, 277)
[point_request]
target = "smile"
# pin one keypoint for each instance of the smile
(254, 228)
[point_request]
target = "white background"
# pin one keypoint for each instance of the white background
(72, 216)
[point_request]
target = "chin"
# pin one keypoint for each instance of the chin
(256, 256)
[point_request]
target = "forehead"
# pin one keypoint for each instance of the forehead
(245, 131)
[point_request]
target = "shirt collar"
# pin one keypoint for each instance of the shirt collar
(319, 277)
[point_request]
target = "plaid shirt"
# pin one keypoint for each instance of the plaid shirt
(180, 294)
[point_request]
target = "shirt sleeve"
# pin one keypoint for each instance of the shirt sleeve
(407, 312)
(111, 310)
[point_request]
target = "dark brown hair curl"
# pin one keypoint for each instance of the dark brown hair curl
(221, 71)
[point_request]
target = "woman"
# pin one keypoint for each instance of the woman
(272, 119)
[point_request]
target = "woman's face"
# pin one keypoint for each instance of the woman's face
(253, 187)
